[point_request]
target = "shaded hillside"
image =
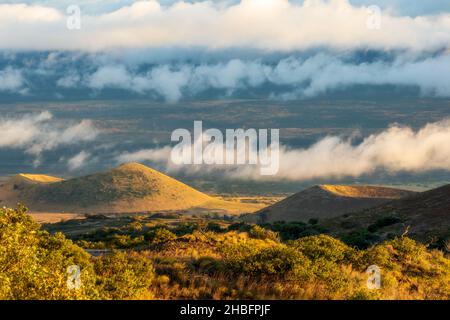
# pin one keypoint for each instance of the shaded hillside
(128, 188)
(424, 216)
(325, 201)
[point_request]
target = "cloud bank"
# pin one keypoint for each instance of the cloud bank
(400, 7)
(394, 150)
(290, 78)
(175, 50)
(276, 25)
(37, 133)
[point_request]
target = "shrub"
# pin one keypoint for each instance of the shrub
(329, 259)
(185, 228)
(293, 230)
(258, 232)
(208, 265)
(323, 247)
(361, 239)
(285, 262)
(126, 241)
(33, 263)
(410, 270)
(383, 222)
(214, 227)
(160, 235)
(239, 226)
(124, 276)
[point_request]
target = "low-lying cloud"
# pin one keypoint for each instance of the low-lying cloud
(394, 150)
(37, 133)
(78, 161)
(12, 80)
(289, 78)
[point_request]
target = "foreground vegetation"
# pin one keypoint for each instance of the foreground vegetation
(148, 259)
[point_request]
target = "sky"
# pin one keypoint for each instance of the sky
(268, 25)
(401, 7)
(175, 50)
(171, 51)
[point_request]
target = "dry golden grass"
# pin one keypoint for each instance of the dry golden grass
(363, 191)
(129, 188)
(44, 217)
(197, 267)
(40, 178)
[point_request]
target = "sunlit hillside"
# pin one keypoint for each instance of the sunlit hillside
(129, 188)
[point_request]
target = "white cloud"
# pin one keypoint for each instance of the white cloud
(326, 73)
(23, 13)
(111, 77)
(78, 161)
(11, 80)
(396, 149)
(69, 81)
(36, 133)
(102, 6)
(259, 24)
(158, 155)
(294, 77)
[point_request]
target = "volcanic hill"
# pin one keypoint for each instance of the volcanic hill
(129, 188)
(325, 201)
(424, 216)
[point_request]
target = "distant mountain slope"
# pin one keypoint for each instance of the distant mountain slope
(424, 216)
(325, 201)
(10, 191)
(36, 178)
(128, 188)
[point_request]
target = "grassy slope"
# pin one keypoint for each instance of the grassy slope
(128, 188)
(425, 215)
(326, 201)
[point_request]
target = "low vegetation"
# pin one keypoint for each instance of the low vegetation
(34, 265)
(154, 258)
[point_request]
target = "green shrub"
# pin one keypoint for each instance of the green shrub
(285, 262)
(383, 222)
(214, 227)
(361, 239)
(33, 263)
(208, 265)
(239, 226)
(293, 230)
(323, 247)
(185, 228)
(124, 276)
(124, 241)
(160, 235)
(258, 232)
